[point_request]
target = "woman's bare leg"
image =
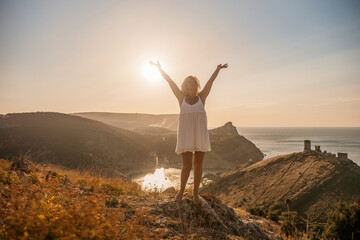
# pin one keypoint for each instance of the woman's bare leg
(198, 160)
(185, 172)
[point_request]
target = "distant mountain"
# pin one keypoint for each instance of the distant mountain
(78, 142)
(312, 181)
(132, 121)
(229, 148)
(73, 142)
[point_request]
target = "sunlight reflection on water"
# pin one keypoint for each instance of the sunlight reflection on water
(164, 178)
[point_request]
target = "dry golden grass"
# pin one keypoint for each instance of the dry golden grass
(87, 208)
(4, 163)
(270, 225)
(240, 212)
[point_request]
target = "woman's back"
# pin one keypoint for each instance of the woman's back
(196, 107)
(192, 133)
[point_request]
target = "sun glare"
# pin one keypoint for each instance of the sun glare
(150, 72)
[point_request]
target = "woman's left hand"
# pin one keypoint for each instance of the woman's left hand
(222, 66)
(157, 65)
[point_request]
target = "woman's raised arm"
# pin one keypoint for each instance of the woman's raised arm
(206, 90)
(178, 93)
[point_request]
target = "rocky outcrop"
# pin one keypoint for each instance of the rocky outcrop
(24, 165)
(210, 219)
(229, 149)
(227, 129)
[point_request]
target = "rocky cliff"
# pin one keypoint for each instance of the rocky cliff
(229, 149)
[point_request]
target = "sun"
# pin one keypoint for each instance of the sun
(150, 72)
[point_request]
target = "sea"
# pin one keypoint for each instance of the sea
(273, 141)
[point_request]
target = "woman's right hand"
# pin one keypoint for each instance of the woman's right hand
(222, 66)
(156, 64)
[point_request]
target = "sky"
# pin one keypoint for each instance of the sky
(290, 63)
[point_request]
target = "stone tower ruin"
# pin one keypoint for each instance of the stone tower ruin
(342, 156)
(317, 148)
(307, 145)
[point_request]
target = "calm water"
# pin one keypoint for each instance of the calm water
(277, 141)
(273, 142)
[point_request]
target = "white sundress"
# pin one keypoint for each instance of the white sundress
(192, 132)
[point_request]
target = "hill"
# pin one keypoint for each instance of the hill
(77, 142)
(310, 182)
(51, 203)
(73, 142)
(229, 149)
(232, 148)
(131, 121)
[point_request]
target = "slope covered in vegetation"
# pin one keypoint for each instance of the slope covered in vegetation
(40, 202)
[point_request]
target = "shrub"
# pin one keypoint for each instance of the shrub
(82, 182)
(276, 206)
(111, 202)
(5, 178)
(344, 221)
(268, 209)
(316, 231)
(273, 216)
(111, 189)
(288, 228)
(257, 211)
(291, 223)
(33, 178)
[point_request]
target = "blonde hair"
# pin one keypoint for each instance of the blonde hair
(188, 79)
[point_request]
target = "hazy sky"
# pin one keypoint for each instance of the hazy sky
(291, 63)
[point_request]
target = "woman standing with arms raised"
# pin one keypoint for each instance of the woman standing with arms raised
(192, 133)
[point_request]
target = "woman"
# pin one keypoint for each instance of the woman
(192, 133)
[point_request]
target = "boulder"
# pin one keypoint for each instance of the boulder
(209, 218)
